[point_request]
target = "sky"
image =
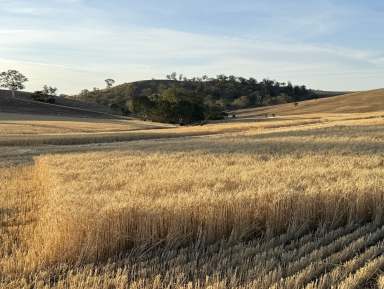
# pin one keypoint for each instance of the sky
(76, 44)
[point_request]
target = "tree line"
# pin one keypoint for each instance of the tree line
(14, 81)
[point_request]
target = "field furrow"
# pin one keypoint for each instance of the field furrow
(325, 263)
(363, 275)
(291, 265)
(343, 270)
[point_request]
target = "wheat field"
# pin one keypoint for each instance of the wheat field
(295, 203)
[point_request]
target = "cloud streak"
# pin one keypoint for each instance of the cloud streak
(92, 48)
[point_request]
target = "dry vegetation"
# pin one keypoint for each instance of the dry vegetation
(359, 102)
(106, 131)
(30, 125)
(272, 204)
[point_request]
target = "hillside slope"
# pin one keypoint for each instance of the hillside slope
(22, 105)
(367, 101)
(60, 100)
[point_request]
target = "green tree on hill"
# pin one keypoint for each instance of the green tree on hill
(12, 80)
(49, 90)
(179, 99)
(109, 82)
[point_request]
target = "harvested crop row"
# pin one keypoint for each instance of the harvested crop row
(101, 204)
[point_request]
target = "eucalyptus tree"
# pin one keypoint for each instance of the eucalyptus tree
(12, 80)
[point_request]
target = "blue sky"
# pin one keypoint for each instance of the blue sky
(76, 44)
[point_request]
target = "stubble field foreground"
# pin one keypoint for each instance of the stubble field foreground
(293, 203)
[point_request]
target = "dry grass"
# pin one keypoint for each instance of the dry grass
(106, 134)
(275, 204)
(359, 102)
(21, 125)
(380, 282)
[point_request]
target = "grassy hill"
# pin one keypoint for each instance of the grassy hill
(23, 103)
(358, 102)
(23, 121)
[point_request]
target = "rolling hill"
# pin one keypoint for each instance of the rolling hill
(358, 102)
(23, 104)
(24, 100)
(193, 100)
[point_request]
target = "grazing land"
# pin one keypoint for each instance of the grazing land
(23, 103)
(358, 102)
(288, 202)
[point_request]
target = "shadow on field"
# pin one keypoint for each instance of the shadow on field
(8, 216)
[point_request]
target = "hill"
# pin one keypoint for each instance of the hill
(23, 104)
(358, 102)
(192, 100)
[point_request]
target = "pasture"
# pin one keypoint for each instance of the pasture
(357, 102)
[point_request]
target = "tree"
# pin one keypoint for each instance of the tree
(174, 76)
(49, 90)
(13, 80)
(84, 93)
(242, 101)
(110, 82)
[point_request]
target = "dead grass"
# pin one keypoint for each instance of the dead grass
(359, 102)
(106, 133)
(12, 125)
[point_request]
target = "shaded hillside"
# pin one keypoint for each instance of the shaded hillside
(60, 100)
(189, 100)
(20, 105)
(367, 101)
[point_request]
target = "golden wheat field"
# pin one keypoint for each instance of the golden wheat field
(277, 203)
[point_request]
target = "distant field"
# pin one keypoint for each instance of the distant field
(22, 124)
(267, 203)
(34, 130)
(360, 102)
